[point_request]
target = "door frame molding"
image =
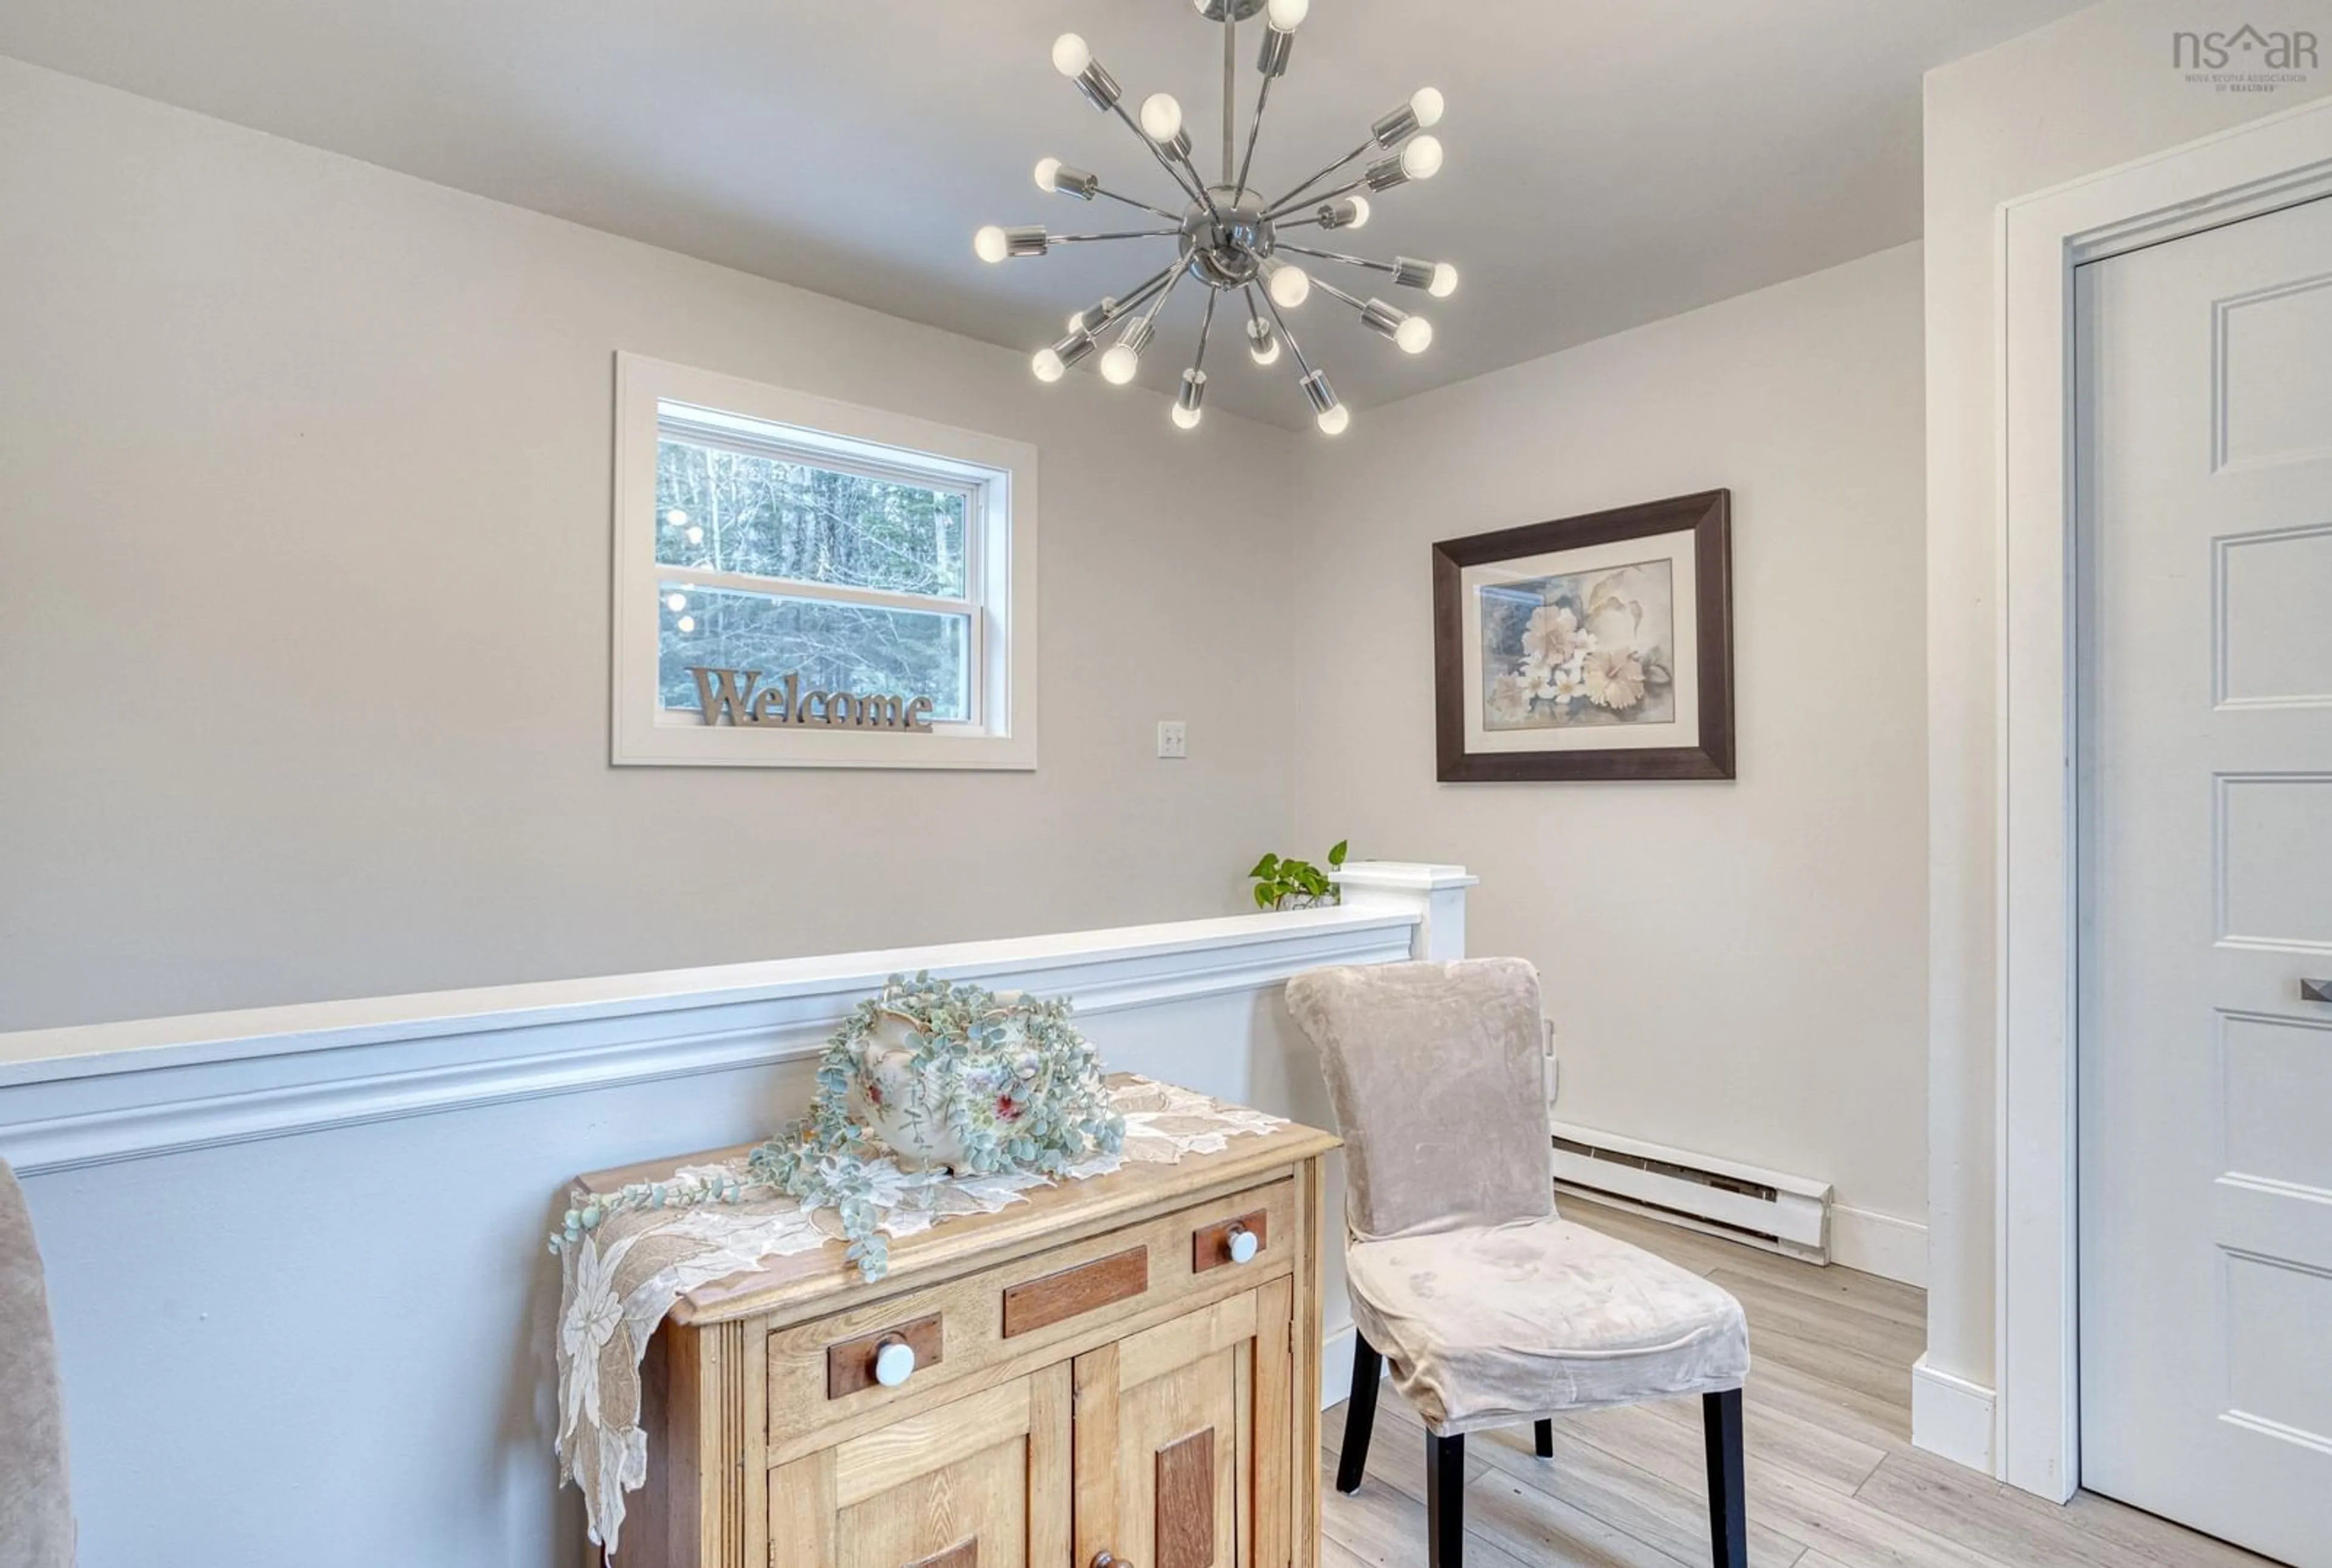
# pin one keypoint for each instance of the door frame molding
(2271, 163)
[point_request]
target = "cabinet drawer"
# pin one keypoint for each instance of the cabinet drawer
(823, 1371)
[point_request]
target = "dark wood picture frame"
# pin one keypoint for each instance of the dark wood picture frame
(1709, 516)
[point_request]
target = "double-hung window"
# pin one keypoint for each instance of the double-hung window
(807, 583)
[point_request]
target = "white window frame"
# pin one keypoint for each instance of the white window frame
(998, 479)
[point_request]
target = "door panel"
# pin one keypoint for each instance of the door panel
(2204, 546)
(1182, 1440)
(981, 1483)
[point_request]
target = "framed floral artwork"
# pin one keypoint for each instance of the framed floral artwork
(1591, 647)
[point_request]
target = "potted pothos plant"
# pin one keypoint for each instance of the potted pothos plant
(1297, 883)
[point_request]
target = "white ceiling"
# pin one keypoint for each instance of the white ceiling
(1608, 164)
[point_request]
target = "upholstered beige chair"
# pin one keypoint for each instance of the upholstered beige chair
(1493, 1310)
(36, 1527)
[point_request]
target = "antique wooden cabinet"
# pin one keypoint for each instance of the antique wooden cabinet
(1123, 1370)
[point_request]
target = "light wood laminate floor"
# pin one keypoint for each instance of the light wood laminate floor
(1833, 1479)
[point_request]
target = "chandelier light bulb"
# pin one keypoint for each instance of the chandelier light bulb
(1047, 365)
(1414, 336)
(1118, 364)
(1427, 104)
(1421, 159)
(1290, 284)
(1360, 212)
(697, 536)
(676, 518)
(675, 603)
(1071, 55)
(687, 623)
(1287, 15)
(1332, 421)
(1161, 117)
(989, 244)
(1262, 342)
(1445, 280)
(1049, 174)
(1188, 418)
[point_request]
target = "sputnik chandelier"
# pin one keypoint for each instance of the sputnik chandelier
(1226, 237)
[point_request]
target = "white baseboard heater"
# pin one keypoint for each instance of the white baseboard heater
(1785, 1214)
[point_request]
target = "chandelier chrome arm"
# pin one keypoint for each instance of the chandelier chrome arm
(1262, 97)
(1439, 279)
(1287, 337)
(1190, 397)
(1231, 81)
(1057, 178)
(1122, 234)
(1099, 318)
(1137, 334)
(1295, 197)
(1326, 406)
(1132, 201)
(1410, 333)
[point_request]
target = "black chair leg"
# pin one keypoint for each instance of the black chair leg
(1728, 1485)
(1445, 1501)
(1359, 1414)
(1545, 1433)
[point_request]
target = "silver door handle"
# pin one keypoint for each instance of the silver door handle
(2316, 990)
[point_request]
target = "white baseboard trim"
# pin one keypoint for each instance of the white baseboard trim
(1336, 1366)
(1878, 1244)
(1951, 1417)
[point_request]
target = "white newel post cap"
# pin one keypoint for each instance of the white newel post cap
(1436, 894)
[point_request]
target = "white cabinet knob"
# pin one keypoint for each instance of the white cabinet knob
(894, 1363)
(1242, 1244)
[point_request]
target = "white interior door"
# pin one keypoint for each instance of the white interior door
(2205, 373)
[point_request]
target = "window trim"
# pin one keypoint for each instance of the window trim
(999, 557)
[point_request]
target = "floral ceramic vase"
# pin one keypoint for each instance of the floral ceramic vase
(915, 1107)
(973, 1081)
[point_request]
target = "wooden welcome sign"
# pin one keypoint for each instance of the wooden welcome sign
(739, 696)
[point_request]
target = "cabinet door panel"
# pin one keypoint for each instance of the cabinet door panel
(976, 1484)
(969, 1513)
(1188, 1414)
(1191, 1421)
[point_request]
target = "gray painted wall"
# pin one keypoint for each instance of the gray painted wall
(1735, 967)
(304, 542)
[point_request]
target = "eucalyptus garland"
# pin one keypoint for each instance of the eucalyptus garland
(1018, 1087)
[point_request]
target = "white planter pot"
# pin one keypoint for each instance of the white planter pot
(905, 1107)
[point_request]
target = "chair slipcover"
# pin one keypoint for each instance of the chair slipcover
(36, 1526)
(1491, 1309)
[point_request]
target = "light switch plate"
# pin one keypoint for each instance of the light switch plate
(1171, 739)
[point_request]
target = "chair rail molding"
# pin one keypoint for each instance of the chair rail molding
(100, 1093)
(2274, 162)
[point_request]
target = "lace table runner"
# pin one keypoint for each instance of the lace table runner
(621, 1279)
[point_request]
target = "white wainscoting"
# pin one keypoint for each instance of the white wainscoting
(296, 1255)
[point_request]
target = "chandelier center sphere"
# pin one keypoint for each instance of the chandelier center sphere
(1227, 253)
